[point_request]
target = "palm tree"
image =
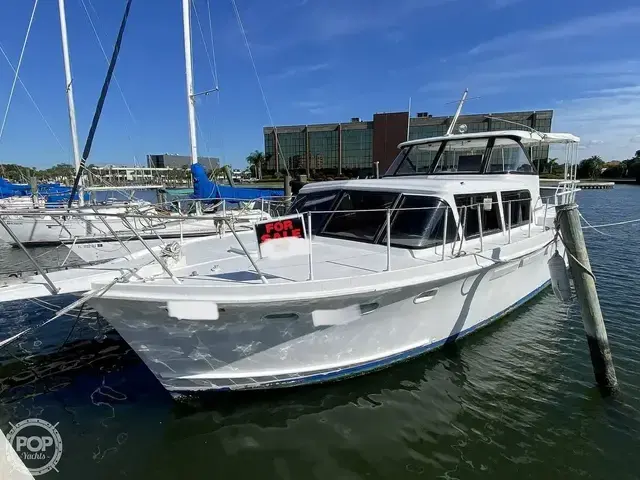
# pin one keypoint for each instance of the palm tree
(590, 167)
(256, 159)
(551, 164)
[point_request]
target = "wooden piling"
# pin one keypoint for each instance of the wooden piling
(585, 286)
(287, 187)
(34, 190)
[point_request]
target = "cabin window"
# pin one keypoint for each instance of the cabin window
(361, 225)
(520, 201)
(416, 159)
(315, 202)
(419, 223)
(508, 156)
(468, 206)
(462, 156)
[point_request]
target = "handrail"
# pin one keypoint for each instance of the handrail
(444, 231)
(388, 240)
(309, 232)
(164, 266)
(54, 289)
(246, 252)
(112, 232)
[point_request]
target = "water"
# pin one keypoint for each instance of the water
(516, 400)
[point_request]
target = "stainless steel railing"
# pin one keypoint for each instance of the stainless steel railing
(127, 217)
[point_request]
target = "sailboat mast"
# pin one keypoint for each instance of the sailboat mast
(70, 102)
(186, 18)
(458, 110)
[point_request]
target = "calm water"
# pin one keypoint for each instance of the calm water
(516, 400)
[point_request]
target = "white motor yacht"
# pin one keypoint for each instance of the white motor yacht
(453, 237)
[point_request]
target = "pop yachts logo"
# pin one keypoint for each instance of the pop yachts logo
(37, 446)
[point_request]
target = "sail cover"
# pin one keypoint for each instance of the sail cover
(204, 188)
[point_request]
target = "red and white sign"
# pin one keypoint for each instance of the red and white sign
(282, 237)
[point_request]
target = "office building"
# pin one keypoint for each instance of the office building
(167, 160)
(353, 148)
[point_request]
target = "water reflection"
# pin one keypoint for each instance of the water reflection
(516, 399)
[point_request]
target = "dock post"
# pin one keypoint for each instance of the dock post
(287, 187)
(585, 285)
(34, 191)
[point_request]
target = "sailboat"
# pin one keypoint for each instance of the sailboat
(94, 235)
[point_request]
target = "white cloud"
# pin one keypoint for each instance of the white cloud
(299, 70)
(577, 27)
(609, 126)
(307, 104)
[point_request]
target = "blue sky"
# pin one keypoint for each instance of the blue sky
(318, 61)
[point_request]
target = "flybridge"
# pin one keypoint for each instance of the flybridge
(500, 152)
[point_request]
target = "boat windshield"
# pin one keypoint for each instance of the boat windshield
(360, 214)
(314, 202)
(507, 156)
(415, 159)
(462, 156)
(417, 221)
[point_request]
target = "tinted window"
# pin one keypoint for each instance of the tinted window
(508, 156)
(520, 201)
(468, 206)
(315, 202)
(462, 156)
(361, 225)
(416, 159)
(419, 223)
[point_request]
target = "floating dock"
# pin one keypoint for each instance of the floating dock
(584, 185)
(596, 185)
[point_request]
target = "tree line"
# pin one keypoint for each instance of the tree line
(594, 167)
(20, 174)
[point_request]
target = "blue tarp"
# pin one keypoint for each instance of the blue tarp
(53, 192)
(205, 188)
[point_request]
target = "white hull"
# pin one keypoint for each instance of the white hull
(243, 349)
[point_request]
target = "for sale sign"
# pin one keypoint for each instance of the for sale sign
(282, 237)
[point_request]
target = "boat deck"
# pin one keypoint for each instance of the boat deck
(226, 265)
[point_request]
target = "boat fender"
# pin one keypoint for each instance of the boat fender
(559, 278)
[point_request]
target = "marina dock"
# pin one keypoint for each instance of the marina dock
(584, 184)
(596, 185)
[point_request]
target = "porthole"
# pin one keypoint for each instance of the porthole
(425, 296)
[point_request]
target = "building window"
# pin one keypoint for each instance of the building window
(489, 216)
(357, 148)
(323, 150)
(360, 225)
(419, 223)
(520, 201)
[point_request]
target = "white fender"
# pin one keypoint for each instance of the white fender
(559, 278)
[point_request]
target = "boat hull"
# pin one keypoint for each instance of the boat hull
(283, 344)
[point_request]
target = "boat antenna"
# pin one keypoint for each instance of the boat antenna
(458, 110)
(103, 96)
(409, 119)
(531, 129)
